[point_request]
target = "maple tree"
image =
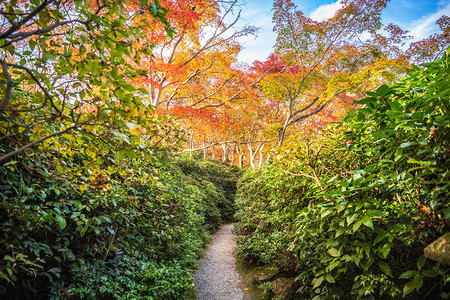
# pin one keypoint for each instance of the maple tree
(191, 73)
(431, 48)
(317, 73)
(323, 62)
(68, 62)
(194, 67)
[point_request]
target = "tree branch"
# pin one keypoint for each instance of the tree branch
(9, 86)
(18, 25)
(47, 94)
(8, 155)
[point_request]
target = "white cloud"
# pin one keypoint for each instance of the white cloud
(326, 11)
(260, 47)
(426, 25)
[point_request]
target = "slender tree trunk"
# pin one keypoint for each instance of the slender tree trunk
(225, 152)
(240, 156)
(233, 154)
(261, 155)
(213, 153)
(282, 131)
(191, 143)
(252, 155)
(205, 152)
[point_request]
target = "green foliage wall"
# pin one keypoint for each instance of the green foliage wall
(350, 210)
(222, 176)
(62, 237)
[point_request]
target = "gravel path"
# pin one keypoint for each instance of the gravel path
(217, 277)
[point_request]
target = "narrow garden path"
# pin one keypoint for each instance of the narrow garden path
(217, 277)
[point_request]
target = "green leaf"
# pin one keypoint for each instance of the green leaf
(10, 163)
(383, 90)
(9, 258)
(386, 249)
(356, 226)
(333, 265)
(422, 140)
(367, 100)
(376, 213)
(407, 144)
(128, 87)
(398, 154)
(61, 223)
(330, 279)
(430, 273)
(447, 213)
(418, 281)
(317, 282)
(334, 252)
(55, 270)
(379, 238)
(367, 221)
(326, 213)
(396, 106)
(408, 288)
(385, 268)
(351, 218)
(421, 262)
(407, 274)
(32, 44)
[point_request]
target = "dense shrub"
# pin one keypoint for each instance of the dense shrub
(350, 210)
(103, 223)
(221, 175)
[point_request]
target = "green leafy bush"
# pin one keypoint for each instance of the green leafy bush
(117, 226)
(351, 210)
(222, 176)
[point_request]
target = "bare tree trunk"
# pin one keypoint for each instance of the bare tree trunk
(241, 157)
(205, 152)
(233, 154)
(252, 154)
(282, 131)
(213, 153)
(261, 155)
(225, 152)
(191, 142)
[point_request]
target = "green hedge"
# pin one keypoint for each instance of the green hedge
(64, 238)
(350, 210)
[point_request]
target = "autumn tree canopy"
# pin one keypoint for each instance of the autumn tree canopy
(127, 64)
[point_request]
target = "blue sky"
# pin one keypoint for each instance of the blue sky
(417, 16)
